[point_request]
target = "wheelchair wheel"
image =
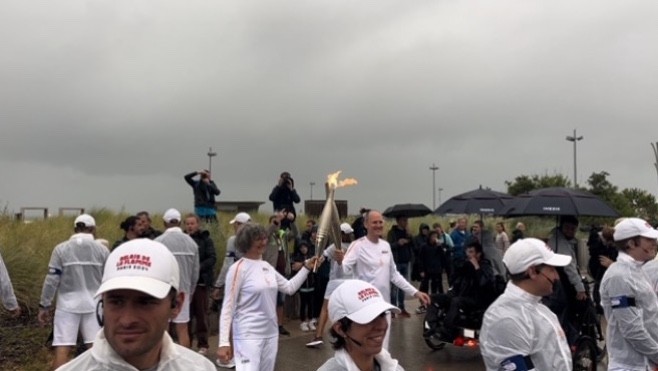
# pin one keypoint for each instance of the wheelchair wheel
(584, 355)
(432, 326)
(434, 342)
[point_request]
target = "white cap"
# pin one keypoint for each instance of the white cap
(85, 219)
(634, 227)
(346, 228)
(142, 265)
(240, 218)
(171, 215)
(529, 252)
(359, 301)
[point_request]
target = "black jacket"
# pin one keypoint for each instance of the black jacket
(207, 257)
(401, 253)
(204, 193)
(476, 284)
(283, 197)
(431, 258)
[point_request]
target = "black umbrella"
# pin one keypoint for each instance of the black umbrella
(478, 201)
(558, 201)
(406, 210)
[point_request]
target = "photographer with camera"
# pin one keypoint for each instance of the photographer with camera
(205, 191)
(284, 195)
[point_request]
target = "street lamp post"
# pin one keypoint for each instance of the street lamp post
(655, 153)
(211, 154)
(575, 140)
(440, 190)
(312, 184)
(434, 168)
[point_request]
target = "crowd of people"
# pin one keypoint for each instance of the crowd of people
(134, 301)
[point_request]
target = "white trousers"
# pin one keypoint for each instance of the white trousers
(255, 355)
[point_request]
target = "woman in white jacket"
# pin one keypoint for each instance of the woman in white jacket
(358, 313)
(249, 308)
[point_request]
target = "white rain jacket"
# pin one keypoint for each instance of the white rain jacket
(632, 332)
(343, 362)
(75, 272)
(6, 290)
(186, 252)
(173, 357)
(517, 324)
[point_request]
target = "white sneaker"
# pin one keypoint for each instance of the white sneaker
(304, 326)
(311, 324)
(229, 364)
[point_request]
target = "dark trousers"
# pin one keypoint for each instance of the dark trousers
(318, 294)
(306, 306)
(433, 281)
(199, 311)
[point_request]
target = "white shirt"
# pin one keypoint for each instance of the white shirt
(342, 361)
(173, 357)
(517, 324)
(249, 306)
(75, 272)
(6, 290)
(336, 272)
(632, 332)
(373, 263)
(186, 252)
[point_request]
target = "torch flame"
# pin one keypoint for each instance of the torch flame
(333, 182)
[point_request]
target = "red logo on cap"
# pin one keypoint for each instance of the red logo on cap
(134, 261)
(367, 294)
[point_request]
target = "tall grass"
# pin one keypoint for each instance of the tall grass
(26, 250)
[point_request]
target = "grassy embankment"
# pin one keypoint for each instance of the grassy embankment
(26, 249)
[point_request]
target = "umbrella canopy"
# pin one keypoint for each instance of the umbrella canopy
(406, 210)
(478, 201)
(558, 201)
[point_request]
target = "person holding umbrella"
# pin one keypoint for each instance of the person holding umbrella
(370, 259)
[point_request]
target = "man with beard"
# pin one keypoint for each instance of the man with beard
(139, 295)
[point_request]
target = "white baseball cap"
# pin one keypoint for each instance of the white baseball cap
(359, 301)
(171, 215)
(634, 227)
(142, 265)
(529, 252)
(85, 219)
(346, 228)
(240, 218)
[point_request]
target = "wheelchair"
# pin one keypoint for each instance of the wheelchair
(467, 326)
(589, 347)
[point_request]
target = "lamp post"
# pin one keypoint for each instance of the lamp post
(312, 184)
(434, 168)
(440, 190)
(575, 140)
(211, 154)
(655, 153)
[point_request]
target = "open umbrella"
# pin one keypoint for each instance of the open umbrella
(478, 201)
(558, 201)
(406, 210)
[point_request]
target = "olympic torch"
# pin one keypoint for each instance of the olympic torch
(329, 223)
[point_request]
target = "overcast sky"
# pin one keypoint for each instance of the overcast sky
(109, 103)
